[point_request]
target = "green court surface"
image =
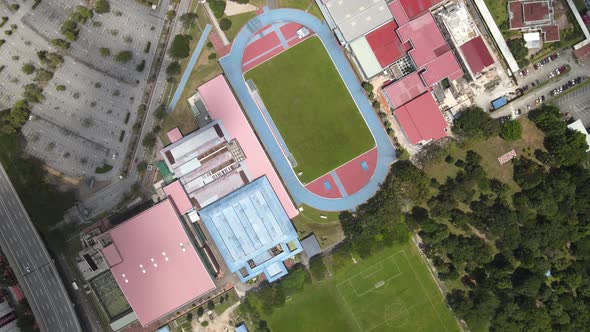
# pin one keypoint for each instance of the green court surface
(312, 109)
(391, 291)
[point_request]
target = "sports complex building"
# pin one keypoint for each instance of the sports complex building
(229, 190)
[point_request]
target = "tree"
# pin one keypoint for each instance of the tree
(173, 69)
(171, 14)
(33, 93)
(149, 140)
(102, 6)
(43, 75)
(82, 14)
(519, 50)
(60, 43)
(188, 19)
(567, 149)
(160, 113)
(210, 305)
(140, 66)
(217, 7)
(123, 57)
(474, 123)
(104, 52)
(368, 87)
(511, 131)
(70, 29)
(142, 166)
(225, 24)
(28, 68)
(179, 49)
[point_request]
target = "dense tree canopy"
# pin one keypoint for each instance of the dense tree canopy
(474, 123)
(179, 49)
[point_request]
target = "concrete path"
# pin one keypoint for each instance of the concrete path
(220, 32)
(232, 66)
(189, 67)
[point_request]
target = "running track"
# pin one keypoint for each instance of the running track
(232, 66)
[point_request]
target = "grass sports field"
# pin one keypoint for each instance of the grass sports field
(312, 108)
(391, 291)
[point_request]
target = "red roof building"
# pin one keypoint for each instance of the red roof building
(155, 264)
(405, 89)
(386, 44)
(583, 53)
(533, 15)
(175, 192)
(477, 55)
(174, 135)
(421, 119)
(415, 8)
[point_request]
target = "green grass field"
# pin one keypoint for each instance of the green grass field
(391, 291)
(312, 109)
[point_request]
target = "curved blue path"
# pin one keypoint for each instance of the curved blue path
(189, 67)
(232, 66)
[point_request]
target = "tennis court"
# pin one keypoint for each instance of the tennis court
(109, 295)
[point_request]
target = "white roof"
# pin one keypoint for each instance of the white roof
(531, 36)
(579, 126)
(365, 57)
(357, 17)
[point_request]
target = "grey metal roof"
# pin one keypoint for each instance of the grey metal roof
(357, 17)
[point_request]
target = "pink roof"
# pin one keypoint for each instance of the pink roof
(551, 33)
(535, 11)
(421, 119)
(427, 41)
(405, 89)
(174, 135)
(477, 55)
(222, 105)
(385, 44)
(153, 242)
(398, 13)
(415, 8)
(515, 14)
(444, 66)
(175, 191)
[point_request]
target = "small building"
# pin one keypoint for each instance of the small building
(311, 246)
(532, 40)
(8, 319)
(155, 264)
(252, 231)
(579, 126)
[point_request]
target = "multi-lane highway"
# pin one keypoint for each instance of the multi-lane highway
(32, 265)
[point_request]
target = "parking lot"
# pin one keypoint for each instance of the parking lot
(577, 104)
(89, 124)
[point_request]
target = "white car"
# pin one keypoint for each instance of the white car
(302, 33)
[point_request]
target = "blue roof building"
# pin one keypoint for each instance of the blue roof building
(252, 231)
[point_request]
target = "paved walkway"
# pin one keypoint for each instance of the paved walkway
(232, 66)
(189, 67)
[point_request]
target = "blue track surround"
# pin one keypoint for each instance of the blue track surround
(189, 67)
(232, 66)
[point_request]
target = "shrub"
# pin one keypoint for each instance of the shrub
(225, 24)
(142, 167)
(147, 47)
(160, 113)
(140, 66)
(123, 57)
(43, 75)
(8, 32)
(104, 52)
(60, 88)
(14, 6)
(212, 56)
(60, 43)
(102, 6)
(28, 68)
(511, 131)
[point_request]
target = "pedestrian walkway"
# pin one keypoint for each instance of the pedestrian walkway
(232, 66)
(189, 67)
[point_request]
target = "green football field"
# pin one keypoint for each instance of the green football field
(311, 108)
(391, 291)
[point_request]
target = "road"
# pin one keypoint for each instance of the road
(33, 268)
(542, 74)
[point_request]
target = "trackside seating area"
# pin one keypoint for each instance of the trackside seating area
(320, 124)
